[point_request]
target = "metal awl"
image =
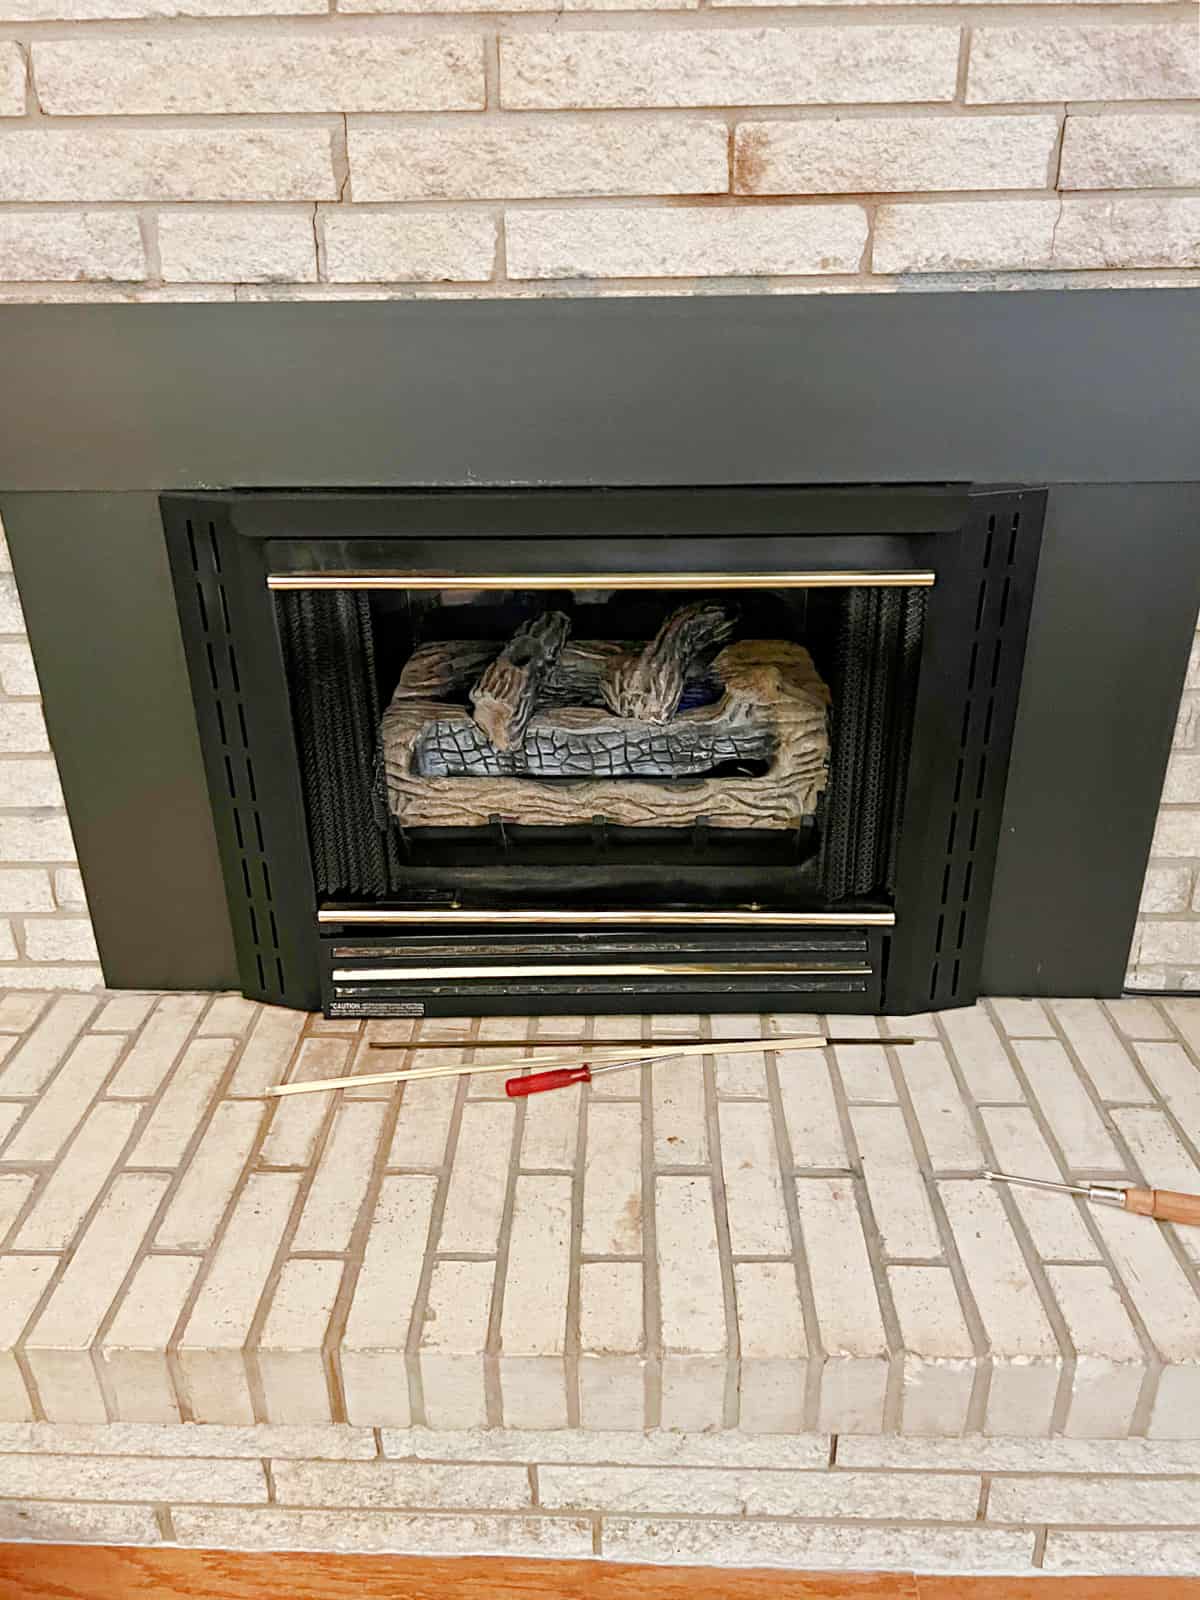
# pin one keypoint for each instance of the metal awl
(1165, 1205)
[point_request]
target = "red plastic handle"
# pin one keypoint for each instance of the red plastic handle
(539, 1082)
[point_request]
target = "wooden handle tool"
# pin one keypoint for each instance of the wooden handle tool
(1164, 1205)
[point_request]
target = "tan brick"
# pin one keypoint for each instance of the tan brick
(33, 782)
(39, 1055)
(211, 1344)
(62, 1106)
(758, 1224)
(15, 1188)
(304, 69)
(98, 10)
(17, 672)
(12, 80)
(65, 246)
(19, 1012)
(390, 1484)
(158, 1046)
(479, 1180)
(43, 975)
(772, 1347)
(646, 242)
(60, 939)
(1073, 1118)
(243, 246)
(1103, 1057)
(58, 1347)
(125, 1014)
(78, 1178)
(872, 155)
(1166, 889)
(183, 1105)
(744, 66)
(965, 235)
(452, 1344)
(210, 1178)
(945, 1124)
(1127, 151)
(551, 1130)
(894, 1183)
(693, 1304)
(823, 1545)
(612, 1181)
(555, 6)
(22, 728)
(1025, 1353)
(134, 1350)
(939, 1356)
(268, 1050)
(809, 1109)
(79, 1523)
(409, 246)
(289, 1349)
(848, 1316)
(126, 1478)
(372, 1356)
(23, 1281)
(680, 1129)
(172, 164)
(538, 156)
(1055, 1223)
(980, 1054)
(368, 1531)
(611, 1345)
(340, 1185)
(1110, 1363)
(426, 1107)
(1142, 62)
(533, 1324)
(1129, 232)
(183, 1439)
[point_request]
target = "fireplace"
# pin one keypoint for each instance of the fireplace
(699, 749)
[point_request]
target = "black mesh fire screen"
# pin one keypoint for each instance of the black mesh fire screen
(343, 661)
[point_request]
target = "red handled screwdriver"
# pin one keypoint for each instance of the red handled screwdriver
(559, 1078)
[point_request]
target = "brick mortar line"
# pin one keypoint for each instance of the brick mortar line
(893, 1399)
(715, 1172)
(493, 1347)
(360, 1232)
(431, 1257)
(209, 1255)
(270, 1280)
(539, 1460)
(981, 1381)
(817, 1355)
(652, 1328)
(1155, 1362)
(1068, 1355)
(573, 1337)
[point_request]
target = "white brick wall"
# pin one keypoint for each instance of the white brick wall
(45, 935)
(1166, 942)
(286, 148)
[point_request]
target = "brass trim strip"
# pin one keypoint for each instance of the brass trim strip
(620, 969)
(609, 580)
(740, 919)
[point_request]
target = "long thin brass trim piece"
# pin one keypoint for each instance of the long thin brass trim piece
(619, 969)
(603, 580)
(740, 919)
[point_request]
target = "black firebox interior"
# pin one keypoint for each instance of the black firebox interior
(299, 612)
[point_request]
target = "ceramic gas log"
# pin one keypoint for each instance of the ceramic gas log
(755, 756)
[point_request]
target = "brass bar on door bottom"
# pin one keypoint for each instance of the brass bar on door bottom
(604, 580)
(739, 919)
(612, 970)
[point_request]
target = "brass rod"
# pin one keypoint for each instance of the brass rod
(617, 969)
(603, 580)
(591, 1057)
(739, 919)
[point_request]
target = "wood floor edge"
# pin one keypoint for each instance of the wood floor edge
(121, 1572)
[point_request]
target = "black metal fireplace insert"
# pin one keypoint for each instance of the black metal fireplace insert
(825, 840)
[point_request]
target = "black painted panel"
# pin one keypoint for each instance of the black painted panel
(1036, 387)
(1117, 592)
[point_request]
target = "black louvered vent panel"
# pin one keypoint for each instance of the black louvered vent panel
(874, 696)
(330, 659)
(992, 681)
(228, 724)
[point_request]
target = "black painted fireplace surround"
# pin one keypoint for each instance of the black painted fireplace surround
(1028, 461)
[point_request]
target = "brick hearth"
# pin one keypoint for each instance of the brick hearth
(773, 1242)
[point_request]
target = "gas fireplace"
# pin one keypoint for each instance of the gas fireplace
(478, 751)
